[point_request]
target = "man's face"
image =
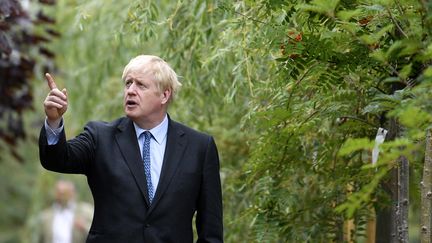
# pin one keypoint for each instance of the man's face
(64, 192)
(143, 101)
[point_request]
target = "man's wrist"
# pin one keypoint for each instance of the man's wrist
(54, 124)
(53, 134)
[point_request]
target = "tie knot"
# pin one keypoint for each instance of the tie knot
(147, 135)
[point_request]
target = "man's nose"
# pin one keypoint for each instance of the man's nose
(131, 89)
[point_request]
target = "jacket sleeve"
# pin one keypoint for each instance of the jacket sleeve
(209, 221)
(72, 156)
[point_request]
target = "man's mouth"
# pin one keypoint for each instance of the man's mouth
(131, 103)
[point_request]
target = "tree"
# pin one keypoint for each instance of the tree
(18, 42)
(24, 35)
(426, 193)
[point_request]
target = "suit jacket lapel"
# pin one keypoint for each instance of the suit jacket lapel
(175, 146)
(126, 140)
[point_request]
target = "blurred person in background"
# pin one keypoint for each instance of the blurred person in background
(67, 220)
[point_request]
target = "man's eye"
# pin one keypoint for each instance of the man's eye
(128, 83)
(141, 85)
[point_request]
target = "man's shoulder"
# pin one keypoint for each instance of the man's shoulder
(107, 125)
(84, 207)
(182, 128)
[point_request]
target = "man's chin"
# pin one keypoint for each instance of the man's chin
(130, 115)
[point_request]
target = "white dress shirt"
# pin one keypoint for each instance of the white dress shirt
(62, 226)
(157, 148)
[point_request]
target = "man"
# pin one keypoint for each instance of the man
(67, 221)
(148, 174)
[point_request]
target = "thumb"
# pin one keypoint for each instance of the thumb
(64, 91)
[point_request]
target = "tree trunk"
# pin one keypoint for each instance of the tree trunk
(394, 211)
(371, 227)
(386, 221)
(403, 199)
(349, 226)
(426, 193)
(387, 231)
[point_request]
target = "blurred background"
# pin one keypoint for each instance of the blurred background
(294, 93)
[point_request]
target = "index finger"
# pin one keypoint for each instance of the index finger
(52, 85)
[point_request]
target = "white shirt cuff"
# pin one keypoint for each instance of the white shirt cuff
(53, 134)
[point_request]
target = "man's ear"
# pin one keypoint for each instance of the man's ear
(166, 95)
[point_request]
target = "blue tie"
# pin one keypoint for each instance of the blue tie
(146, 159)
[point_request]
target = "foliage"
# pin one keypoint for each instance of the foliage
(340, 71)
(293, 92)
(24, 35)
(317, 74)
(21, 36)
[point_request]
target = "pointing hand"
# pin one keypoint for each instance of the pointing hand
(55, 103)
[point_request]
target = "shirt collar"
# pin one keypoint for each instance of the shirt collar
(159, 132)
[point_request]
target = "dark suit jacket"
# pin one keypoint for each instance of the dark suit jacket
(108, 154)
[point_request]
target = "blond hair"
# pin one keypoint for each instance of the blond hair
(163, 74)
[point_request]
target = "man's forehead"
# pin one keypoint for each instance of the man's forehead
(139, 75)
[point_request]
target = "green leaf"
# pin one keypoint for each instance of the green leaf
(414, 116)
(428, 72)
(405, 71)
(346, 15)
(352, 145)
(410, 47)
(379, 55)
(375, 37)
(326, 7)
(403, 48)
